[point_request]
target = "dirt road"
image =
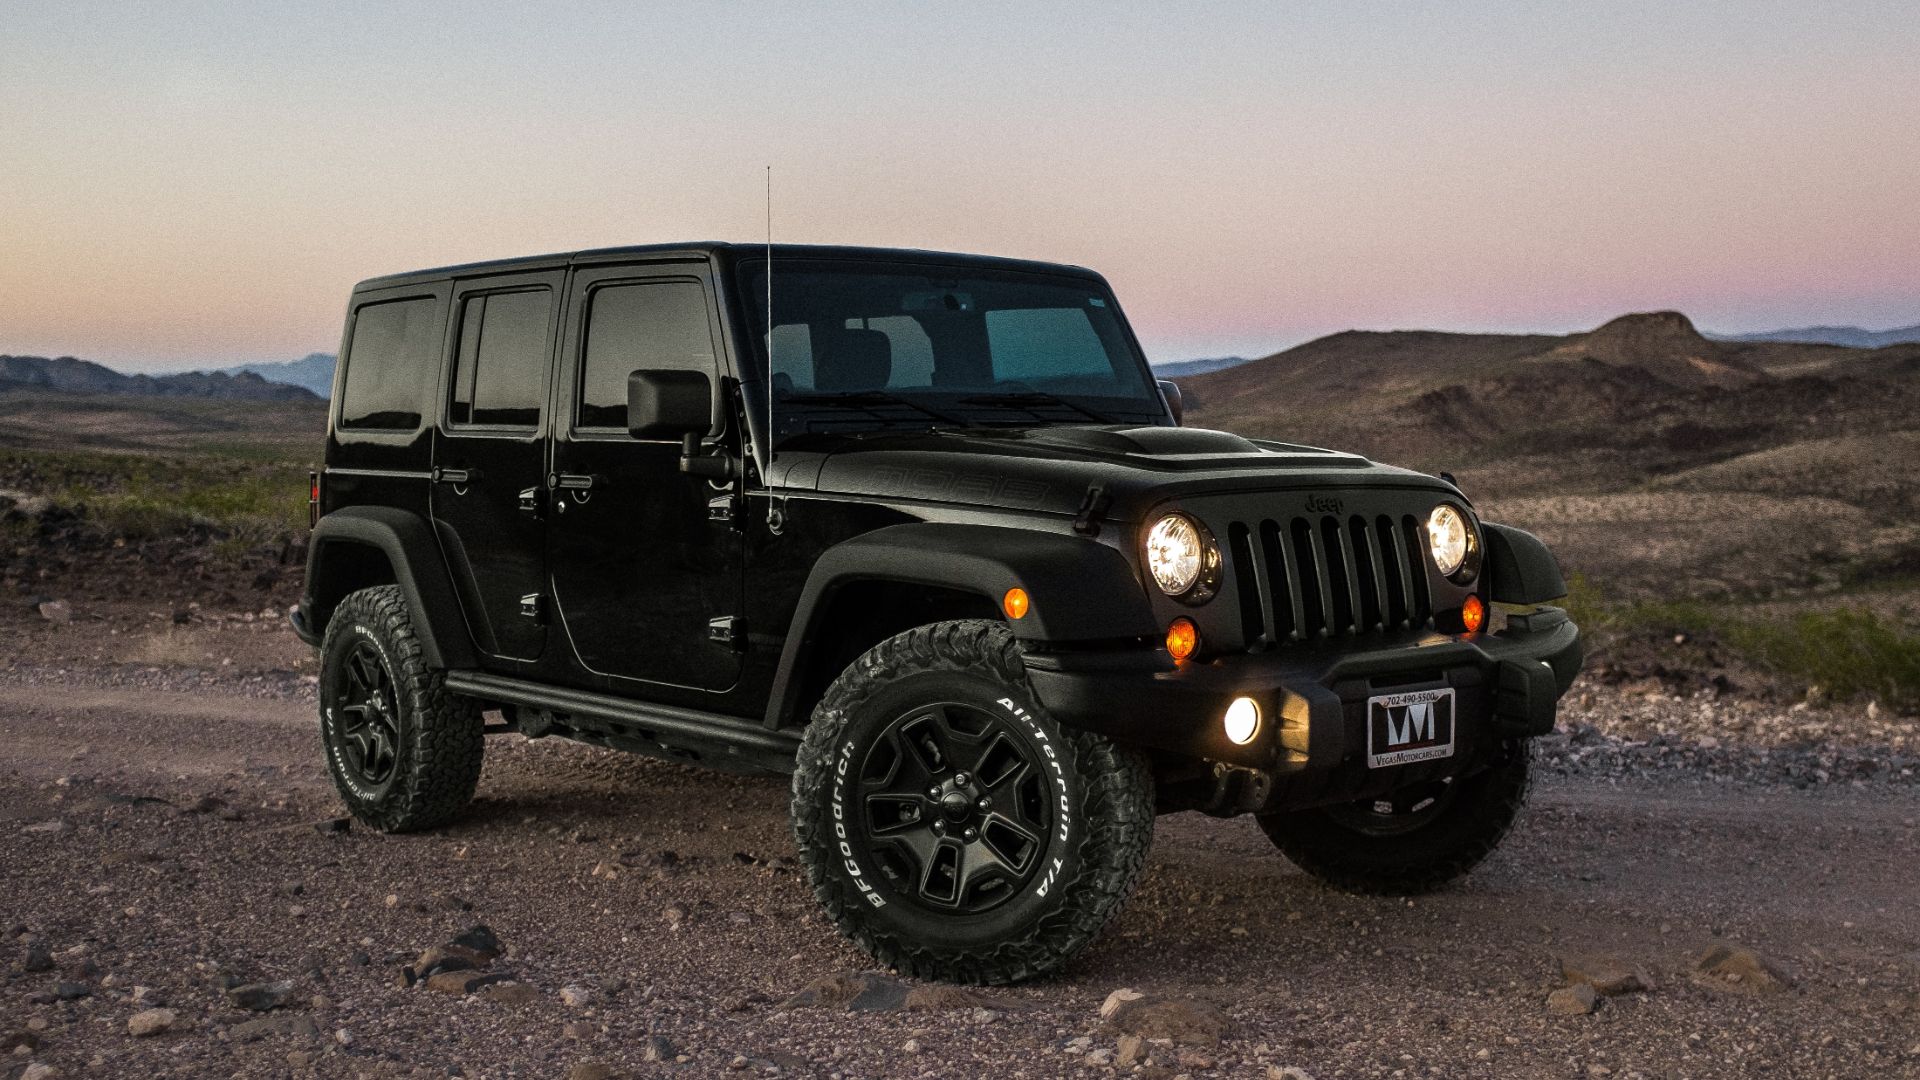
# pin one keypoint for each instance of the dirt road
(156, 843)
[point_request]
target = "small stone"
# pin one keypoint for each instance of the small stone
(911, 1046)
(54, 826)
(39, 957)
(260, 997)
(1287, 1072)
(72, 991)
(508, 993)
(657, 1049)
(1610, 977)
(343, 1036)
(1129, 1050)
(1118, 999)
(461, 982)
(150, 1022)
(481, 940)
(268, 1026)
(1194, 1059)
(445, 958)
(58, 612)
(1184, 1021)
(590, 1070)
(1743, 968)
(39, 1071)
(1579, 999)
(576, 997)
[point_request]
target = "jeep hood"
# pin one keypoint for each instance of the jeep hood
(1050, 469)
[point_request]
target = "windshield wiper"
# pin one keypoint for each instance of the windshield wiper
(1028, 399)
(867, 399)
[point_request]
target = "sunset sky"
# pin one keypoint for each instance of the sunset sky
(201, 184)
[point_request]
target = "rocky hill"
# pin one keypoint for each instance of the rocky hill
(69, 375)
(1656, 460)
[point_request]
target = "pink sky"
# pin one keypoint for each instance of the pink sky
(203, 186)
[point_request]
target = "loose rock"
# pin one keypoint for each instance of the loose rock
(508, 993)
(260, 997)
(1579, 999)
(1186, 1021)
(1724, 964)
(1609, 977)
(150, 1022)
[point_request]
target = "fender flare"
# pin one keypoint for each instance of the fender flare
(1081, 590)
(1520, 569)
(409, 546)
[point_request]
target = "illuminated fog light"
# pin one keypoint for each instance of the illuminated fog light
(1243, 720)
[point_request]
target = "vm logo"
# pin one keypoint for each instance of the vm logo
(1405, 723)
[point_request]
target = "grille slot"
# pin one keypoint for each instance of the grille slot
(1326, 576)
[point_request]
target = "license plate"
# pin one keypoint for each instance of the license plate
(1409, 727)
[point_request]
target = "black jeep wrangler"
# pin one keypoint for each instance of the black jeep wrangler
(932, 540)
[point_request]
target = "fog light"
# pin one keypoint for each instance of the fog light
(1243, 720)
(1473, 615)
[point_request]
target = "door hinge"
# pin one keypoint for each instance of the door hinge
(534, 606)
(728, 630)
(721, 509)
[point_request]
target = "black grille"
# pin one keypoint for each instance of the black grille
(1328, 576)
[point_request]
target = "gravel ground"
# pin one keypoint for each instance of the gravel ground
(158, 846)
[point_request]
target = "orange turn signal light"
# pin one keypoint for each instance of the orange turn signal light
(1182, 638)
(1473, 615)
(1016, 603)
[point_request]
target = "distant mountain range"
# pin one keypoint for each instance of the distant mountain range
(68, 375)
(1180, 369)
(1851, 336)
(313, 371)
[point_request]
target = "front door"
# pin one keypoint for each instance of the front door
(490, 459)
(644, 583)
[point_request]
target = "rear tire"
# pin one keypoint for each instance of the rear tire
(949, 826)
(403, 752)
(1434, 834)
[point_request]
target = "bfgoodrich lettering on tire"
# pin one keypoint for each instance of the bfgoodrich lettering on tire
(949, 826)
(403, 753)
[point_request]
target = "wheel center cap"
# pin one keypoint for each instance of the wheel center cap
(955, 804)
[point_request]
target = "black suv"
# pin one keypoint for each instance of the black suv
(932, 540)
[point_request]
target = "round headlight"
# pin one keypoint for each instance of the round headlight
(1181, 557)
(1449, 538)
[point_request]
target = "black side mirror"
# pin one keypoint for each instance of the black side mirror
(1170, 390)
(669, 404)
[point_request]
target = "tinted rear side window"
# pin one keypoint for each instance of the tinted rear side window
(652, 325)
(500, 373)
(390, 362)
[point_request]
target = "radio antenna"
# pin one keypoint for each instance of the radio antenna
(776, 504)
(770, 431)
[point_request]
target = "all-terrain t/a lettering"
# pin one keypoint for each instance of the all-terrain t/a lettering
(610, 496)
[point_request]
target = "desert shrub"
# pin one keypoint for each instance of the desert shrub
(140, 497)
(1850, 652)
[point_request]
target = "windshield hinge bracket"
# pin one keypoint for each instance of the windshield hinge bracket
(1093, 508)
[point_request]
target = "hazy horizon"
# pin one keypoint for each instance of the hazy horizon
(200, 186)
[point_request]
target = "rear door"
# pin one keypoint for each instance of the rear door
(490, 458)
(644, 582)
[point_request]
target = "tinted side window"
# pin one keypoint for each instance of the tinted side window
(655, 325)
(390, 361)
(500, 372)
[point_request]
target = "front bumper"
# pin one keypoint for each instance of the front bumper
(1314, 700)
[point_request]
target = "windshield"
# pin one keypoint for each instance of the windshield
(859, 345)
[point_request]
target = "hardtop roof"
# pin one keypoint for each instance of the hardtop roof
(726, 252)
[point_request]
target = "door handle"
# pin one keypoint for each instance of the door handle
(455, 476)
(574, 482)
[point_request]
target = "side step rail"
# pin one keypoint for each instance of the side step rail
(712, 739)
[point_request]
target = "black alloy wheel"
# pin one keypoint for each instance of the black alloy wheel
(369, 733)
(955, 807)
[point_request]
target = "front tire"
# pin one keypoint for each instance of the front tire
(949, 826)
(1411, 841)
(403, 752)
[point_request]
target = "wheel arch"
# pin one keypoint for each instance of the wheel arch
(864, 590)
(363, 546)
